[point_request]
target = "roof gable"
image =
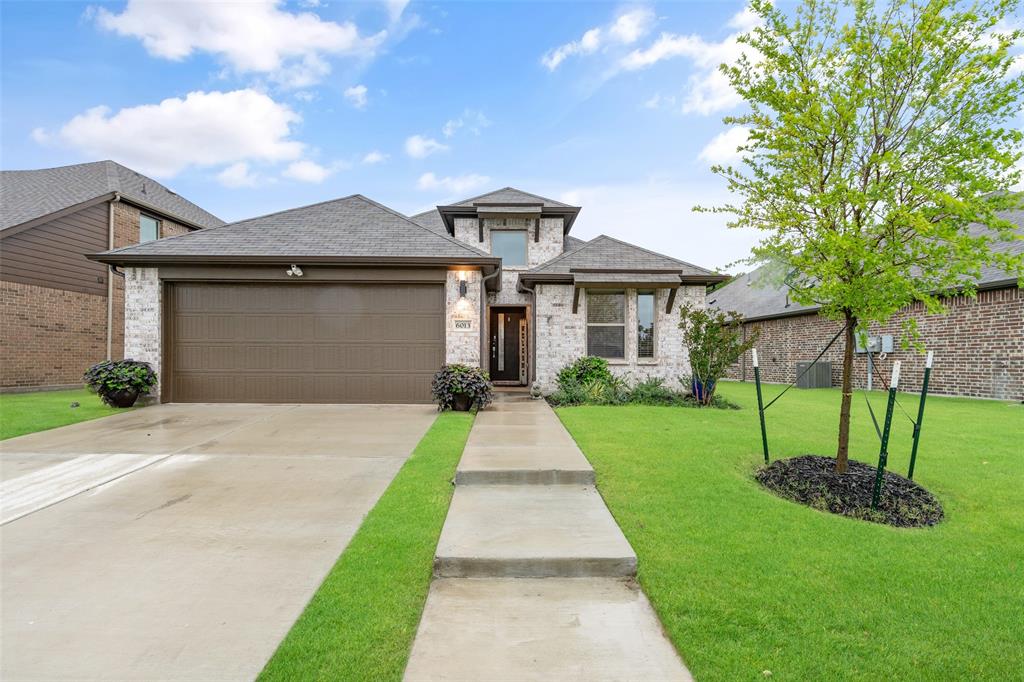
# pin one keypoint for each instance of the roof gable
(607, 254)
(511, 196)
(27, 195)
(350, 227)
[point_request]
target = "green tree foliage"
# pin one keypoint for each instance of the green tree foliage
(714, 341)
(879, 132)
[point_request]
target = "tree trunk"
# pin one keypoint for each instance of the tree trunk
(843, 451)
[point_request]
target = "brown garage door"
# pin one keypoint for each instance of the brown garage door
(310, 343)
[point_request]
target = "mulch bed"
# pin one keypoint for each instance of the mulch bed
(812, 480)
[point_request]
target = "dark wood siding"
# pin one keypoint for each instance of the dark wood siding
(303, 343)
(53, 254)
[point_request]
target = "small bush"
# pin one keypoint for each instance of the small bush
(653, 391)
(114, 376)
(584, 371)
(455, 379)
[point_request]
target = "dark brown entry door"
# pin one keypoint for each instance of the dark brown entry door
(304, 343)
(507, 338)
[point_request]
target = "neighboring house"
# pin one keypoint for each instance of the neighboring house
(59, 311)
(978, 343)
(350, 301)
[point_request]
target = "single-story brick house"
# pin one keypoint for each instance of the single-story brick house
(350, 301)
(60, 312)
(978, 343)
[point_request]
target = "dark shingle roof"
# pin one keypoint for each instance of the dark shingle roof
(762, 294)
(29, 194)
(606, 253)
(511, 195)
(431, 220)
(572, 243)
(351, 227)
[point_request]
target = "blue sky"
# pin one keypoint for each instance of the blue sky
(248, 108)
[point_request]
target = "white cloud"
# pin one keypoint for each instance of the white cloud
(310, 171)
(455, 185)
(657, 214)
(375, 157)
(722, 149)
(395, 9)
(257, 36)
(472, 120)
(356, 95)
(238, 175)
(658, 101)
(203, 129)
(625, 29)
(709, 89)
(304, 95)
(420, 147)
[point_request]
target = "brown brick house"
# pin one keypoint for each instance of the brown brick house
(978, 342)
(60, 312)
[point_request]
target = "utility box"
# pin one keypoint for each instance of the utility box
(819, 376)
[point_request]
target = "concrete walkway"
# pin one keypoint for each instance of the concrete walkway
(533, 577)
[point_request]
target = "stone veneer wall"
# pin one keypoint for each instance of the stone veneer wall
(143, 319)
(562, 335)
(463, 345)
(978, 344)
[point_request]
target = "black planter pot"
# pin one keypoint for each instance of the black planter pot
(461, 402)
(124, 398)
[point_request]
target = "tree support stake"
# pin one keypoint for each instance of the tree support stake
(760, 406)
(920, 414)
(883, 453)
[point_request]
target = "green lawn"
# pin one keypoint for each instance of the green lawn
(361, 622)
(22, 413)
(746, 582)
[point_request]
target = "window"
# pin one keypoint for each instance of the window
(606, 324)
(645, 324)
(509, 246)
(149, 228)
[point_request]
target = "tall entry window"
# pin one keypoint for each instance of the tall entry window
(149, 228)
(509, 246)
(645, 324)
(606, 324)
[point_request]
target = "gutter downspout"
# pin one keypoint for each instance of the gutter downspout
(110, 277)
(522, 288)
(484, 323)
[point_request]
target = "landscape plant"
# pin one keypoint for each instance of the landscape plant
(883, 145)
(714, 341)
(119, 382)
(583, 371)
(458, 386)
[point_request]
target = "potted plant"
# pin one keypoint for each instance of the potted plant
(119, 383)
(459, 387)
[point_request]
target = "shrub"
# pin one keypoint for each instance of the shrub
(117, 376)
(652, 391)
(455, 379)
(583, 371)
(714, 342)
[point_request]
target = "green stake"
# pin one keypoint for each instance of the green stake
(883, 453)
(760, 406)
(920, 414)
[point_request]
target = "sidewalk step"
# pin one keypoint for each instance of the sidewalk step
(523, 465)
(593, 629)
(531, 531)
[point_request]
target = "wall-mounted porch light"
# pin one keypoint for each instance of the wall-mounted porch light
(463, 288)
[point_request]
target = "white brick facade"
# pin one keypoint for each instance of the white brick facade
(462, 345)
(142, 319)
(562, 335)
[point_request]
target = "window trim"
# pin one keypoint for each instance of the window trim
(526, 248)
(159, 227)
(622, 325)
(653, 293)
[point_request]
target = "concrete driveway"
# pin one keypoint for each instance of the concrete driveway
(182, 541)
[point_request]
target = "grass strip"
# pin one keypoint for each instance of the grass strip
(361, 622)
(23, 413)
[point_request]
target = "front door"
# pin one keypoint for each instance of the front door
(508, 340)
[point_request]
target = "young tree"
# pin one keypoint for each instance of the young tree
(879, 132)
(714, 340)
